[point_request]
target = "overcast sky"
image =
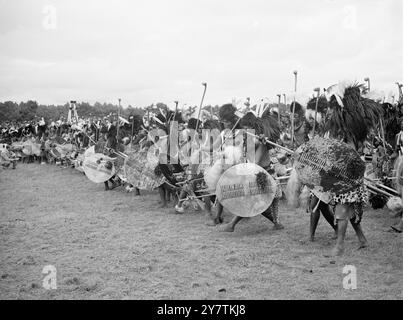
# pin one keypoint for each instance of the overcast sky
(160, 51)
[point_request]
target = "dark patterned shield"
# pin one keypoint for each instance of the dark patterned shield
(139, 170)
(332, 165)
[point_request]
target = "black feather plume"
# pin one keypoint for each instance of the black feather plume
(355, 118)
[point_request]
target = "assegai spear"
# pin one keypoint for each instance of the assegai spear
(117, 124)
(317, 90)
(293, 108)
(369, 83)
(201, 105)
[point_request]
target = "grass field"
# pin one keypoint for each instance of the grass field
(115, 245)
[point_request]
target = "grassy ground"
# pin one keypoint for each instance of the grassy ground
(114, 245)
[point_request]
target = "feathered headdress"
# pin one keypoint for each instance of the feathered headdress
(227, 112)
(266, 125)
(391, 122)
(350, 115)
(251, 121)
(271, 127)
(311, 107)
(298, 108)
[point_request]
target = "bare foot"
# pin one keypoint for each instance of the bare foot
(363, 244)
(337, 251)
(226, 228)
(211, 221)
(395, 229)
(278, 226)
(218, 220)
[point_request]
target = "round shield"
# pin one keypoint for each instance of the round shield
(36, 148)
(79, 162)
(27, 148)
(64, 149)
(332, 165)
(98, 167)
(241, 191)
(17, 146)
(89, 151)
(54, 153)
(139, 169)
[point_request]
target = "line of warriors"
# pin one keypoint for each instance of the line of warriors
(356, 129)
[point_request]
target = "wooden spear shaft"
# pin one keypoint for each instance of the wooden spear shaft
(293, 109)
(316, 109)
(117, 129)
(201, 105)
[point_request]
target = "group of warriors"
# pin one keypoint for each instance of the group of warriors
(350, 156)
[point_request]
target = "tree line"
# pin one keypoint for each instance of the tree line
(31, 110)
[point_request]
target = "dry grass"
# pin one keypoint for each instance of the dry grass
(114, 245)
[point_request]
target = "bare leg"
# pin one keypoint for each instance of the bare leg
(229, 227)
(329, 216)
(341, 233)
(399, 227)
(326, 212)
(360, 234)
(168, 195)
(315, 215)
(209, 215)
(220, 210)
(161, 190)
(272, 214)
(178, 206)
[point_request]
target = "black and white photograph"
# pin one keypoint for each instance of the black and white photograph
(201, 154)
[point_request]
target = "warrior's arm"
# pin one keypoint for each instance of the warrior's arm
(259, 153)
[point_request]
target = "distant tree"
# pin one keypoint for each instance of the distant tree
(9, 111)
(27, 110)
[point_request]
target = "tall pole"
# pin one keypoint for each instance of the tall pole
(399, 87)
(132, 128)
(176, 110)
(293, 108)
(204, 84)
(74, 111)
(369, 83)
(117, 124)
(279, 101)
(383, 134)
(148, 117)
(316, 109)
